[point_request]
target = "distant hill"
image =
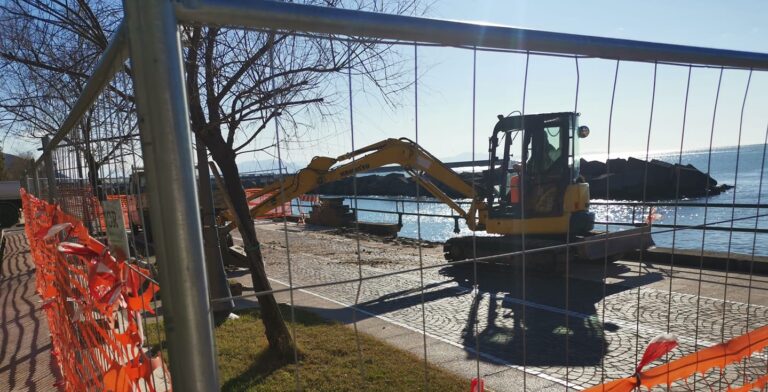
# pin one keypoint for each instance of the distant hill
(14, 166)
(11, 159)
(263, 166)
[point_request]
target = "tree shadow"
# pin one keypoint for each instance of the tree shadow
(264, 364)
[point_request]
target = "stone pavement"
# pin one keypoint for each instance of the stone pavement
(531, 331)
(25, 347)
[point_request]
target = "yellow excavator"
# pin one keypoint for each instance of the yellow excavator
(531, 197)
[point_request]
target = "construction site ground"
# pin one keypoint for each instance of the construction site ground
(526, 332)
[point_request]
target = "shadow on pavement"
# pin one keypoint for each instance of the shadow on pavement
(25, 348)
(521, 321)
(542, 320)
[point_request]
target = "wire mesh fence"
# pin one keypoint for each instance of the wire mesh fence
(95, 305)
(100, 290)
(536, 295)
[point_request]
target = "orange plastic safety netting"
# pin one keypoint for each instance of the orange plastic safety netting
(277, 212)
(725, 366)
(94, 305)
(77, 199)
(124, 202)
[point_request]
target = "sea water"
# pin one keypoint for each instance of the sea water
(746, 173)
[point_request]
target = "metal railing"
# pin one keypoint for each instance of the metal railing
(637, 218)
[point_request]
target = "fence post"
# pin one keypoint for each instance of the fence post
(35, 178)
(50, 171)
(163, 117)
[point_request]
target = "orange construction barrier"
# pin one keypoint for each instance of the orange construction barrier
(93, 303)
(514, 190)
(477, 385)
(718, 356)
(123, 205)
(313, 199)
(77, 199)
(277, 212)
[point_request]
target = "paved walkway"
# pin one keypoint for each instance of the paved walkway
(533, 333)
(25, 346)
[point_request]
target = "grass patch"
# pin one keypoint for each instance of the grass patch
(330, 360)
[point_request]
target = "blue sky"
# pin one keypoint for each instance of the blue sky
(445, 82)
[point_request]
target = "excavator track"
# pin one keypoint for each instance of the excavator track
(548, 251)
(541, 253)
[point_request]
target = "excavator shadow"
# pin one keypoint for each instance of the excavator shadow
(520, 320)
(538, 319)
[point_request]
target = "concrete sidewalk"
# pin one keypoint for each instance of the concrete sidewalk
(25, 345)
(498, 375)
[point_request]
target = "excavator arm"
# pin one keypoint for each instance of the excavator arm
(415, 161)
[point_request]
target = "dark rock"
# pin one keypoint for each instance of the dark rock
(636, 179)
(394, 184)
(617, 179)
(592, 169)
(235, 287)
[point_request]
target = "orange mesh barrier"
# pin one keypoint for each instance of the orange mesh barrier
(77, 199)
(758, 385)
(718, 356)
(123, 204)
(277, 212)
(314, 199)
(93, 302)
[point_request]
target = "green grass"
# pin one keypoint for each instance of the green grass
(330, 360)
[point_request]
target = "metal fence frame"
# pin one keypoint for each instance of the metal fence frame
(149, 38)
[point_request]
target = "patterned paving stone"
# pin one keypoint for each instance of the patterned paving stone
(25, 344)
(585, 335)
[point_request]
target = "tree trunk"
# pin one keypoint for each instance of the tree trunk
(277, 332)
(214, 264)
(93, 178)
(90, 161)
(278, 336)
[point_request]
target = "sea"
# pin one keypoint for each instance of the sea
(743, 167)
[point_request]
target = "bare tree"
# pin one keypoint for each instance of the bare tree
(238, 82)
(2, 164)
(47, 49)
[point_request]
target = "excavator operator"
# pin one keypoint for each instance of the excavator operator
(542, 153)
(542, 177)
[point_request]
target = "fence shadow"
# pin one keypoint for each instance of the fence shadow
(25, 350)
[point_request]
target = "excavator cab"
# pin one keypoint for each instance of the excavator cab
(536, 174)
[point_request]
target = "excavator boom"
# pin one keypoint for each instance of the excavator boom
(414, 160)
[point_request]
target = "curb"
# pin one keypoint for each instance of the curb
(718, 261)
